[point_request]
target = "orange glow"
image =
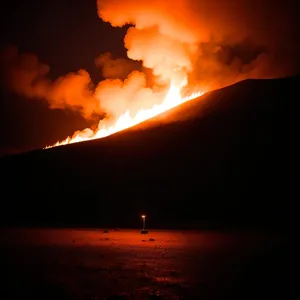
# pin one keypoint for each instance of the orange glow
(126, 120)
(212, 43)
(143, 216)
(162, 37)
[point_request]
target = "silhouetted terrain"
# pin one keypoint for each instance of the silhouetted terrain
(229, 161)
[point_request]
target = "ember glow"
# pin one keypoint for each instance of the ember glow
(126, 120)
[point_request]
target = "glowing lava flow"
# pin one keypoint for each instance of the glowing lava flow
(172, 99)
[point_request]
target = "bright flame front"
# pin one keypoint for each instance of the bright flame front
(172, 99)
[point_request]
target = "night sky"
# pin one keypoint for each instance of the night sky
(69, 35)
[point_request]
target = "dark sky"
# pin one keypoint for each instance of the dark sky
(67, 35)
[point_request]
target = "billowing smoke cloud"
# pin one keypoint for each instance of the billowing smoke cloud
(212, 43)
(125, 89)
(116, 68)
(219, 64)
(26, 75)
(216, 42)
(163, 37)
(118, 96)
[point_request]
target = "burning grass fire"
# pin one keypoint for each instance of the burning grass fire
(172, 99)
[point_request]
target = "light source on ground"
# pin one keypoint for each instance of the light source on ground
(144, 231)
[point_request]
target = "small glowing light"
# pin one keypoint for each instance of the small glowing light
(144, 221)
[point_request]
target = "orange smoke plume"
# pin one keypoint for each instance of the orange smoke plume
(163, 36)
(216, 42)
(27, 76)
(116, 68)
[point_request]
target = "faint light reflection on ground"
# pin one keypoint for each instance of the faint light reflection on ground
(91, 264)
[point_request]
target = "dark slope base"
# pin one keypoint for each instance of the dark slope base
(228, 161)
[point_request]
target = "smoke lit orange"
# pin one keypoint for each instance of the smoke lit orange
(126, 120)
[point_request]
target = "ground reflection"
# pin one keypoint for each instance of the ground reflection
(84, 263)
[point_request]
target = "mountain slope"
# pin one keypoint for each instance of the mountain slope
(227, 160)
